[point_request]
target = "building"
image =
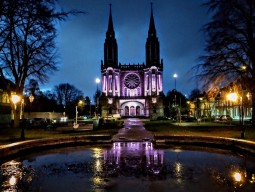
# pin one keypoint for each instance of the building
(217, 102)
(132, 89)
(239, 108)
(6, 113)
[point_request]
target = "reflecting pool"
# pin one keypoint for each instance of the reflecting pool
(129, 166)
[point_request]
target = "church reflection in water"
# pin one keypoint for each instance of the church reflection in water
(169, 169)
(134, 158)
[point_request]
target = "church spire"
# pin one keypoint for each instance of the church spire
(110, 45)
(152, 44)
(152, 29)
(110, 31)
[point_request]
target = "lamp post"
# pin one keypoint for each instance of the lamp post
(234, 97)
(22, 109)
(75, 124)
(90, 107)
(175, 77)
(76, 114)
(97, 82)
(79, 104)
(175, 106)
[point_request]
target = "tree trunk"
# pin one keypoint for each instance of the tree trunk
(253, 109)
(16, 115)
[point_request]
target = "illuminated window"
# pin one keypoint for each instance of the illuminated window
(132, 81)
(153, 82)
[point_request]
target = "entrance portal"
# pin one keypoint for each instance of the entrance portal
(132, 108)
(132, 111)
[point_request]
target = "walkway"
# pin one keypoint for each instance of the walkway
(133, 130)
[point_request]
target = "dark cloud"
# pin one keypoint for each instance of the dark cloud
(81, 39)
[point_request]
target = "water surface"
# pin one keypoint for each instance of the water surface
(129, 166)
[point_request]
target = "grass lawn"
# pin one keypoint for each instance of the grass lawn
(202, 129)
(9, 135)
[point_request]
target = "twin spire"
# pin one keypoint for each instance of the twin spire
(111, 47)
(110, 32)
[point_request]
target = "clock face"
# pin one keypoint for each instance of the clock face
(132, 81)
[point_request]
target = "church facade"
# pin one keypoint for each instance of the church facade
(132, 90)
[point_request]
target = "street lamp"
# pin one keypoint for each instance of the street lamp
(31, 99)
(15, 99)
(232, 97)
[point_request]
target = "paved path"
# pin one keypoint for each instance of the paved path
(133, 130)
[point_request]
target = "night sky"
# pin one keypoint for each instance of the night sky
(81, 39)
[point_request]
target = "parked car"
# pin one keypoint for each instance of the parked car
(25, 123)
(38, 122)
(87, 117)
(49, 123)
(185, 118)
(109, 118)
(163, 118)
(204, 117)
(82, 120)
(188, 118)
(225, 118)
(216, 118)
(44, 123)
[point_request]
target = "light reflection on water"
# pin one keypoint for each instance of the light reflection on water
(128, 166)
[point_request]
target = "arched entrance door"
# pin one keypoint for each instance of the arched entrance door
(132, 108)
(132, 111)
(138, 110)
(126, 111)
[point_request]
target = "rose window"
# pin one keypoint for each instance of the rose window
(132, 81)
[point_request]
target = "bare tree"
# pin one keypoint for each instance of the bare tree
(230, 49)
(27, 42)
(32, 88)
(195, 93)
(67, 96)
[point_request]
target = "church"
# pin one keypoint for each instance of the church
(132, 90)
